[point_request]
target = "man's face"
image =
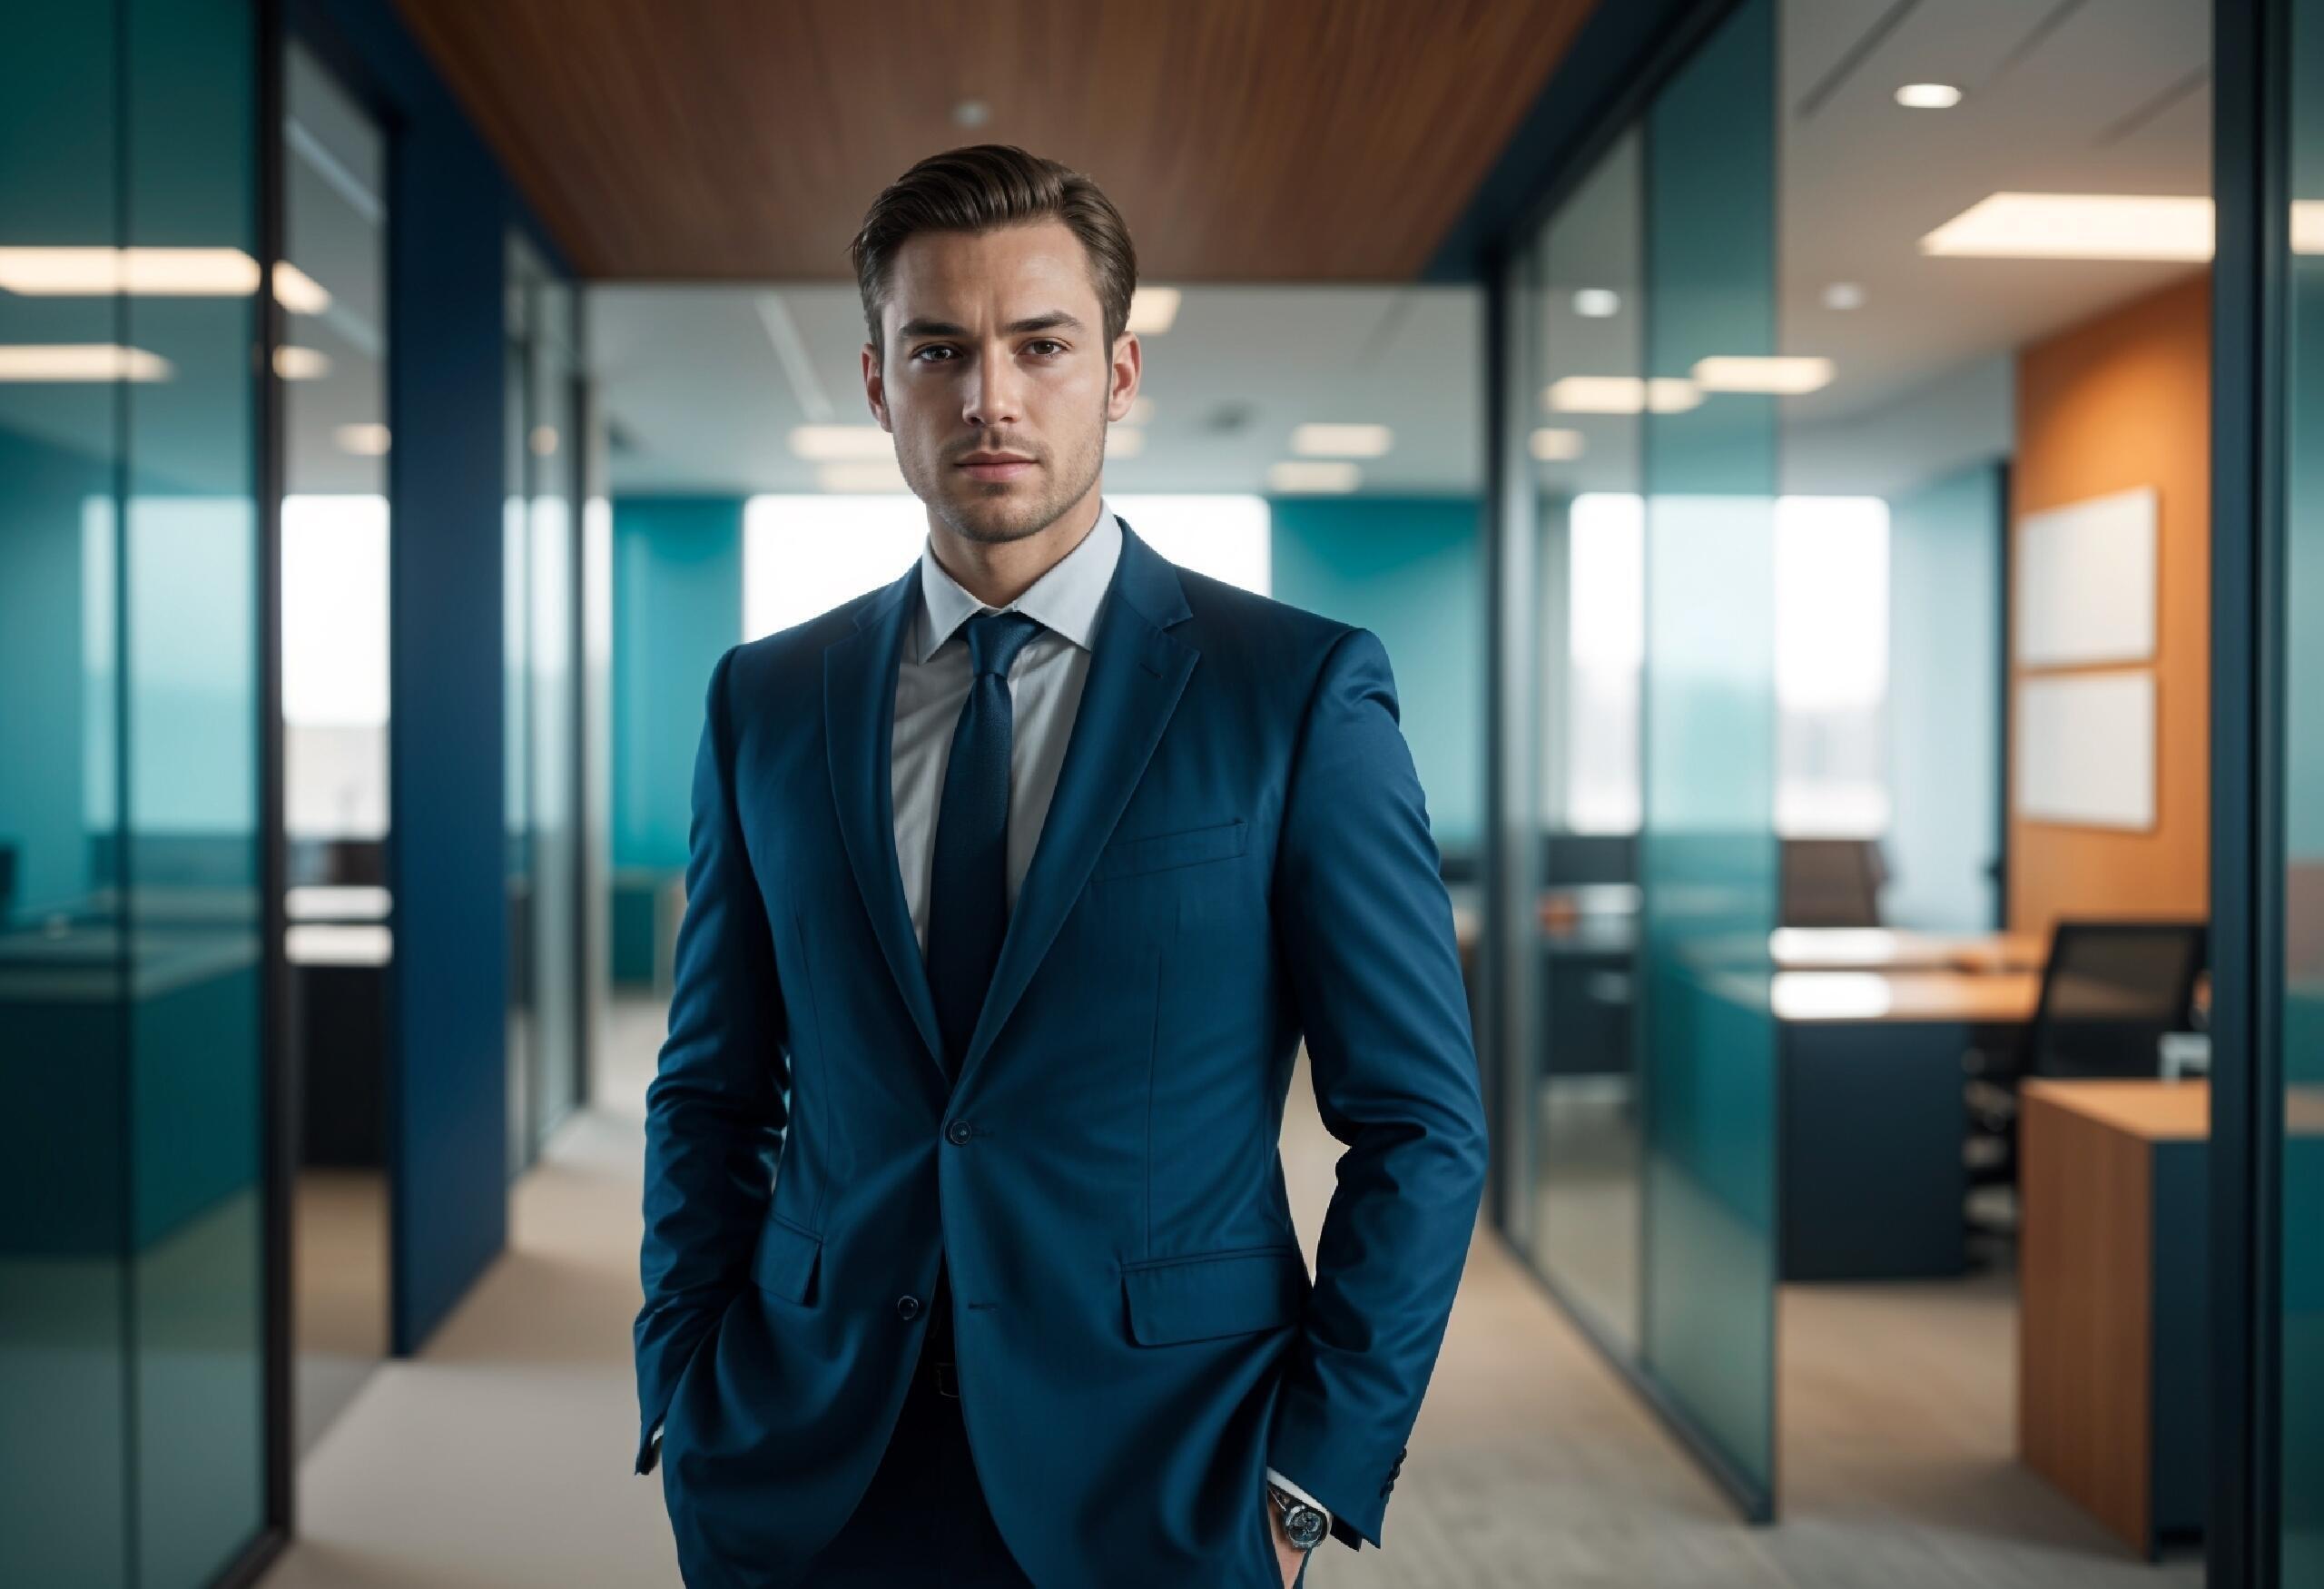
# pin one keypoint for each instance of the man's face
(997, 382)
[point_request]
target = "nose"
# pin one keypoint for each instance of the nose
(994, 397)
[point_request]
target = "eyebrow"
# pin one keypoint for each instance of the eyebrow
(1055, 320)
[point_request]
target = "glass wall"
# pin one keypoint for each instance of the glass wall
(1584, 306)
(541, 560)
(1642, 1044)
(133, 1263)
(335, 550)
(2303, 1191)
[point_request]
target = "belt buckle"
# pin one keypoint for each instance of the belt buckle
(948, 1380)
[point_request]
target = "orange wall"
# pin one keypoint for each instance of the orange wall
(2115, 402)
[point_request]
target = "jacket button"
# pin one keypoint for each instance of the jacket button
(959, 1132)
(907, 1306)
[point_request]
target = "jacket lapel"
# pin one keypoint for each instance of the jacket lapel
(1138, 670)
(859, 726)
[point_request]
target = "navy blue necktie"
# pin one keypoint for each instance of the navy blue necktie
(967, 903)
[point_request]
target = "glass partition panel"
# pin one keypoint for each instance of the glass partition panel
(1708, 847)
(2303, 839)
(1585, 354)
(65, 1434)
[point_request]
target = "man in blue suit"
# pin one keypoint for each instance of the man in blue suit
(1013, 887)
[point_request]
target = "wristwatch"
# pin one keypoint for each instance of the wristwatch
(1303, 1524)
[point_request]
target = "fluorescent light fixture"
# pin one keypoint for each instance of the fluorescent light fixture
(1844, 296)
(1770, 376)
(841, 443)
(367, 441)
(1555, 446)
(296, 363)
(297, 292)
(1142, 411)
(1124, 441)
(2308, 226)
(1328, 441)
(1928, 97)
(1597, 303)
(81, 362)
(1621, 394)
(161, 273)
(860, 478)
(1152, 310)
(1309, 475)
(2078, 226)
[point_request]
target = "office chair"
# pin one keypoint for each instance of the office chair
(1832, 882)
(2110, 989)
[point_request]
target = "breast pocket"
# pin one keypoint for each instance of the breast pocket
(1157, 851)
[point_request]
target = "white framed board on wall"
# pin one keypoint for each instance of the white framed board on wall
(2085, 581)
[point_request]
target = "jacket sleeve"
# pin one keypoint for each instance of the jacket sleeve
(1366, 930)
(716, 1111)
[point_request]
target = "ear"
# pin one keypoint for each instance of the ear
(1128, 366)
(875, 388)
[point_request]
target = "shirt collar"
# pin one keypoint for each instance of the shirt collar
(1064, 599)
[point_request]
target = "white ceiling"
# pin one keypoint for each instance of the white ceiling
(695, 383)
(2096, 96)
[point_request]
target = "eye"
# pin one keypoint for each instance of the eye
(1044, 347)
(929, 353)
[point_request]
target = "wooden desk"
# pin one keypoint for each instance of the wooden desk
(1885, 948)
(2111, 1343)
(2000, 998)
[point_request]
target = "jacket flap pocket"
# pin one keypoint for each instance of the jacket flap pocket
(1216, 843)
(784, 1263)
(1215, 1294)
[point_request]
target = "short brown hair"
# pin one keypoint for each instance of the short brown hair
(983, 186)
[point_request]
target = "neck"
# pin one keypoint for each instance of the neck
(998, 572)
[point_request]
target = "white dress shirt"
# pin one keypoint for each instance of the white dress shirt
(1045, 686)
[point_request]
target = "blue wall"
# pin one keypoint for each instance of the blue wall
(677, 605)
(1412, 570)
(1945, 661)
(452, 210)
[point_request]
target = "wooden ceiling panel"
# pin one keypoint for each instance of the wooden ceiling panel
(1244, 140)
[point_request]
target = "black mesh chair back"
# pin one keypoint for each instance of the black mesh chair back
(2110, 992)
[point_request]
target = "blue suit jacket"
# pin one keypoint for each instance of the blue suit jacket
(1237, 853)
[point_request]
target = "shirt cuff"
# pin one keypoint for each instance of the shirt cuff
(1303, 1494)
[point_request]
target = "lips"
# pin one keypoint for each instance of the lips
(995, 465)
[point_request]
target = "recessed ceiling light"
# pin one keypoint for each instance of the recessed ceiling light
(544, 440)
(971, 113)
(1597, 303)
(1142, 411)
(81, 362)
(185, 272)
(1152, 310)
(293, 362)
(362, 441)
(1766, 376)
(2078, 226)
(856, 479)
(1124, 442)
(297, 292)
(1309, 475)
(1555, 446)
(1844, 296)
(1928, 97)
(1621, 394)
(840, 443)
(1322, 441)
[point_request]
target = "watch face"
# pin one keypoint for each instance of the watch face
(1305, 1527)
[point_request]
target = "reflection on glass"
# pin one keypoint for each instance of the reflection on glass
(335, 549)
(2303, 876)
(1584, 289)
(1707, 850)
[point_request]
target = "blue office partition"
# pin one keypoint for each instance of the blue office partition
(1708, 857)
